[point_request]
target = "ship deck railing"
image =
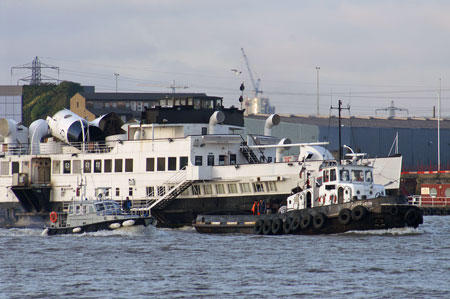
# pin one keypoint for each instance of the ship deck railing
(428, 201)
(17, 149)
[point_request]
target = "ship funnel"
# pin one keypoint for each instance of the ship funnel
(280, 150)
(217, 118)
(12, 132)
(70, 127)
(110, 124)
(272, 120)
(38, 129)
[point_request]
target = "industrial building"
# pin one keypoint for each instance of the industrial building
(417, 137)
(11, 102)
(128, 106)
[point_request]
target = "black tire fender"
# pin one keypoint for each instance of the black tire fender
(345, 216)
(394, 211)
(319, 221)
(287, 225)
(267, 227)
(411, 218)
(258, 228)
(277, 226)
(306, 222)
(295, 224)
(358, 213)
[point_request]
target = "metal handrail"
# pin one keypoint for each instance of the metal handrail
(429, 201)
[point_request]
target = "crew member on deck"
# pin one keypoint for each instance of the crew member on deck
(255, 208)
(262, 207)
(126, 205)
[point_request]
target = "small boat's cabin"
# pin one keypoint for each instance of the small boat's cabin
(104, 207)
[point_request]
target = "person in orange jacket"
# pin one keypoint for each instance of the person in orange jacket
(255, 208)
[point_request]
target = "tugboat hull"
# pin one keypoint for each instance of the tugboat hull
(369, 214)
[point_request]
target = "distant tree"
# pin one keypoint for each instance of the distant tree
(40, 101)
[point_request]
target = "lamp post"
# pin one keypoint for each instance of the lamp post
(117, 75)
(317, 69)
(439, 127)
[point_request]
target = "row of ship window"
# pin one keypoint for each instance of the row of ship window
(207, 189)
(126, 165)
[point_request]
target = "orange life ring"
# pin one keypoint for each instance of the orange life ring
(53, 217)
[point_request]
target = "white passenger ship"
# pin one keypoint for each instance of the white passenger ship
(184, 158)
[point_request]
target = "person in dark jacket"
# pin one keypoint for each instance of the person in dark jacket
(262, 207)
(126, 205)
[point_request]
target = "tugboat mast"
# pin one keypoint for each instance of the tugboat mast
(339, 108)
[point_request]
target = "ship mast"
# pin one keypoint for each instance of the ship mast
(339, 108)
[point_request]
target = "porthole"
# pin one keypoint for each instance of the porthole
(447, 192)
(433, 192)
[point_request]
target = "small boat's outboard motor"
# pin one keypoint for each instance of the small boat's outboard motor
(70, 127)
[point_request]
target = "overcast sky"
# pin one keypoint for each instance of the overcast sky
(369, 52)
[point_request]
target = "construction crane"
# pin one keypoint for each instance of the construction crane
(258, 81)
(173, 87)
(391, 109)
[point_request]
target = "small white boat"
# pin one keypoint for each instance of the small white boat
(93, 215)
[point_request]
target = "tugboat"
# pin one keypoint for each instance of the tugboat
(92, 216)
(335, 198)
(338, 198)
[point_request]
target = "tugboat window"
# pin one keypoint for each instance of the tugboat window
(233, 159)
(130, 191)
(117, 191)
(368, 176)
(326, 176)
(332, 175)
(221, 159)
(357, 175)
(204, 131)
(344, 175)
